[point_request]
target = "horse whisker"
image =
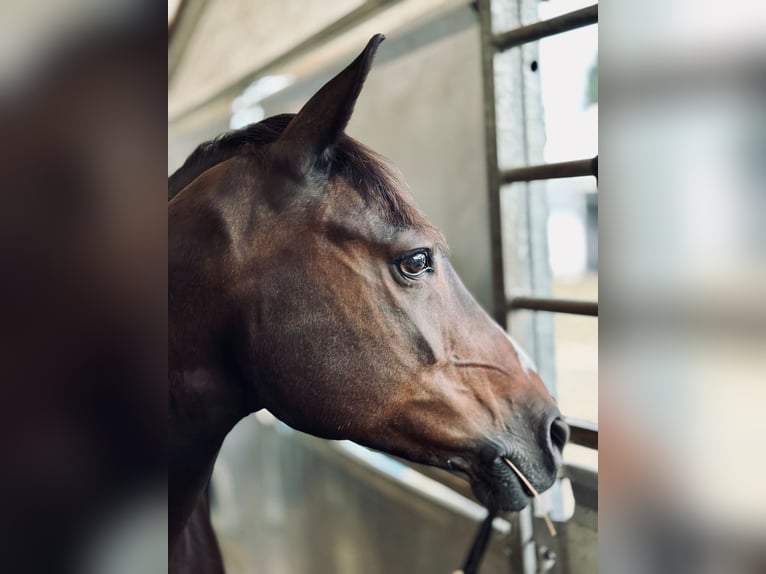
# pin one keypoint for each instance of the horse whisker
(534, 492)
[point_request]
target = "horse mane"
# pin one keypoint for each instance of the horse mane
(226, 146)
(370, 174)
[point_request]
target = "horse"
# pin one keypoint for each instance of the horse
(304, 280)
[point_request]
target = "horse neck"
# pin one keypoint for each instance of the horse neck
(207, 397)
(201, 415)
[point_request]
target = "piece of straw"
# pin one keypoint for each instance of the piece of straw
(534, 492)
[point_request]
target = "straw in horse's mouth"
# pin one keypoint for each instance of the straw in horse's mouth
(532, 490)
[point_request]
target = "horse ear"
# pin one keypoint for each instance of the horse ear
(316, 128)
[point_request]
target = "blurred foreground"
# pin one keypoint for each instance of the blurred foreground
(683, 287)
(83, 289)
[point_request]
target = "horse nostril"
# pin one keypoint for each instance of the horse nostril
(559, 433)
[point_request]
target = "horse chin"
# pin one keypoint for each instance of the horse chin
(498, 489)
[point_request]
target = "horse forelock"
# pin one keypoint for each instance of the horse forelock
(378, 183)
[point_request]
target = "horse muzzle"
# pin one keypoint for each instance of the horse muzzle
(496, 484)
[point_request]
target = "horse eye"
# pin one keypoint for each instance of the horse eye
(416, 265)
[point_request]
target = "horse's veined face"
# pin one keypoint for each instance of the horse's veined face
(359, 327)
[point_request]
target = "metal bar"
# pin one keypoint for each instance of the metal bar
(538, 30)
(583, 433)
(568, 306)
(515, 541)
(578, 168)
(493, 169)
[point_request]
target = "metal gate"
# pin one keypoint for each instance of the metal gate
(531, 549)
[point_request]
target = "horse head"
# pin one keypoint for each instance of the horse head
(331, 301)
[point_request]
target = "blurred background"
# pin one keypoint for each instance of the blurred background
(507, 172)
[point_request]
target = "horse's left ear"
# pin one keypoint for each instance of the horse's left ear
(316, 128)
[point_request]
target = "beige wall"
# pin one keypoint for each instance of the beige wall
(234, 37)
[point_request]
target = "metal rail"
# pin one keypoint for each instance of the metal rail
(539, 30)
(568, 306)
(577, 168)
(493, 168)
(583, 433)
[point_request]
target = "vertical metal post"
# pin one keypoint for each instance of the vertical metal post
(526, 269)
(494, 182)
(499, 310)
(520, 534)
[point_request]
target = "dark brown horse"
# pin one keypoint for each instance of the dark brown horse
(303, 280)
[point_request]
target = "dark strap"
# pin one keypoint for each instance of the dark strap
(479, 546)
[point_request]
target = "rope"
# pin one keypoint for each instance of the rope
(479, 546)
